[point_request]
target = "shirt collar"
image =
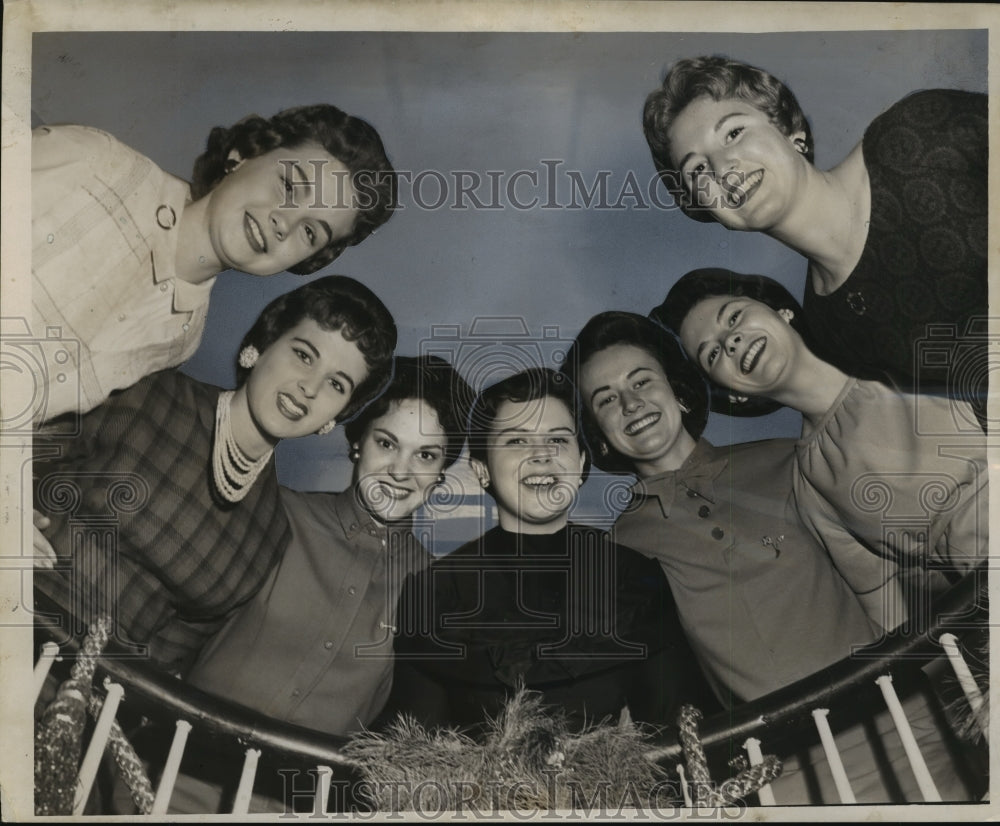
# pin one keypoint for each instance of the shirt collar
(174, 196)
(355, 520)
(697, 475)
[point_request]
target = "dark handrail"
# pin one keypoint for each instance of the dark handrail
(788, 710)
(782, 712)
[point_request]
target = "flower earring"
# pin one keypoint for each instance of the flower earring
(327, 428)
(603, 449)
(248, 356)
(737, 398)
(786, 314)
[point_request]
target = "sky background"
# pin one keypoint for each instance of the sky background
(492, 286)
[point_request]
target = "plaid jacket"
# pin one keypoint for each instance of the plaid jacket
(138, 526)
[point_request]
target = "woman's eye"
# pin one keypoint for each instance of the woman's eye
(605, 401)
(640, 383)
(310, 235)
(516, 440)
(304, 357)
(732, 134)
(385, 444)
(288, 185)
(735, 317)
(427, 456)
(558, 440)
(712, 355)
(337, 385)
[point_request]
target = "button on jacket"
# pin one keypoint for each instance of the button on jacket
(314, 647)
(756, 593)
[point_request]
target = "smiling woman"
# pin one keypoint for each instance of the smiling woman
(895, 234)
(124, 256)
(862, 441)
(538, 601)
(189, 468)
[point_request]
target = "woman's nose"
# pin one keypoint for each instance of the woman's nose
(308, 387)
(630, 402)
(733, 341)
(279, 225)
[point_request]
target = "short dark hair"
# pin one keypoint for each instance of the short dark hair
(335, 302)
(700, 284)
(351, 140)
(617, 327)
(526, 386)
(719, 78)
(432, 380)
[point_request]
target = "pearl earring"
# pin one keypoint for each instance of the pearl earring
(355, 453)
(327, 428)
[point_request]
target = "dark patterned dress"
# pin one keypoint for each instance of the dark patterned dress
(913, 311)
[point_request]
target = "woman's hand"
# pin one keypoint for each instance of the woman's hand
(45, 555)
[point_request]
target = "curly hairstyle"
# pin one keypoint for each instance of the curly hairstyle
(352, 141)
(527, 386)
(617, 327)
(335, 302)
(720, 79)
(700, 284)
(432, 380)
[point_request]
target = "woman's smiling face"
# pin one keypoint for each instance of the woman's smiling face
(741, 343)
(401, 456)
(736, 164)
(274, 211)
(627, 392)
(534, 464)
(302, 380)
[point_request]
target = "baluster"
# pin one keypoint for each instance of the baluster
(98, 741)
(50, 653)
(324, 774)
(166, 788)
(924, 780)
(840, 780)
(967, 681)
(765, 794)
(241, 804)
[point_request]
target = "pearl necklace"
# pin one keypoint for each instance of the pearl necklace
(233, 472)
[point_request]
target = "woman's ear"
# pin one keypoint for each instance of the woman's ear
(798, 140)
(479, 468)
(233, 161)
(583, 464)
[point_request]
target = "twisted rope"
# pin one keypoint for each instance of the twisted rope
(707, 793)
(129, 765)
(59, 735)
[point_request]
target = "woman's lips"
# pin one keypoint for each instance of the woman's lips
(290, 408)
(394, 491)
(255, 237)
(752, 355)
(737, 196)
(639, 425)
(539, 480)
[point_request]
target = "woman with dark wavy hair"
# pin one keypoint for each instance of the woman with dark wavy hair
(191, 469)
(895, 234)
(124, 255)
(862, 441)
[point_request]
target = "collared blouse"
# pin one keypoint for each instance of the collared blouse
(106, 300)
